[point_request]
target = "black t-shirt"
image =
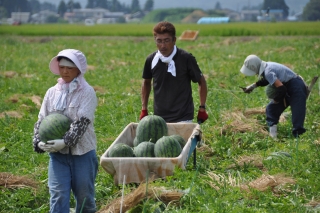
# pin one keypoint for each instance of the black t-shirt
(173, 94)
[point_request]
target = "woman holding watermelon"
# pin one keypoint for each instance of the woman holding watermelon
(172, 71)
(290, 90)
(73, 162)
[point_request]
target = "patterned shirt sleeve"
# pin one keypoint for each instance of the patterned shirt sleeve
(36, 138)
(76, 131)
(42, 114)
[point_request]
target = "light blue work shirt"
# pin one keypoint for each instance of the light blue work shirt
(274, 71)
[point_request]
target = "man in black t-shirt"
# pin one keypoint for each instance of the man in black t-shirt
(172, 70)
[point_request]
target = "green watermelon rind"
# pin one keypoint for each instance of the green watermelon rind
(53, 126)
(151, 128)
(144, 149)
(135, 142)
(167, 147)
(180, 139)
(271, 91)
(120, 150)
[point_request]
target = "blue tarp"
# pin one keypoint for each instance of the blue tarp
(213, 20)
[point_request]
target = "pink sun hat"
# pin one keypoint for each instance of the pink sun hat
(76, 56)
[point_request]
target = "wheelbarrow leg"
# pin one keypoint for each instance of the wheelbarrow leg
(194, 158)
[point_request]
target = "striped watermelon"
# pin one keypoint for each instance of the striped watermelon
(151, 128)
(271, 91)
(167, 147)
(135, 142)
(120, 150)
(54, 126)
(180, 139)
(144, 149)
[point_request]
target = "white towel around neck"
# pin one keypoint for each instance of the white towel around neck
(168, 60)
(60, 102)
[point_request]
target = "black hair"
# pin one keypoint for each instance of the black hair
(61, 57)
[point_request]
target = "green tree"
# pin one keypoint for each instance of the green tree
(97, 3)
(15, 6)
(90, 4)
(311, 11)
(73, 5)
(3, 12)
(276, 5)
(148, 6)
(62, 8)
(70, 6)
(48, 6)
(135, 6)
(35, 6)
(103, 4)
(76, 5)
(52, 19)
(217, 6)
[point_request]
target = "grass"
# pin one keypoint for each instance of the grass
(116, 64)
(138, 29)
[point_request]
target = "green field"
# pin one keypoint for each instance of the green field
(228, 29)
(116, 58)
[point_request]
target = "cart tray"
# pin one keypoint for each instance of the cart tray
(137, 169)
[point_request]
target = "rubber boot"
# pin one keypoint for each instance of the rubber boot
(273, 131)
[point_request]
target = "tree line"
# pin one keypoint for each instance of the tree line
(34, 6)
(311, 11)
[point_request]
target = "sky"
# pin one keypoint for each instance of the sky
(294, 5)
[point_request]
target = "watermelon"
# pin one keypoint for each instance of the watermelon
(271, 91)
(180, 139)
(120, 150)
(151, 128)
(144, 149)
(167, 147)
(54, 126)
(135, 142)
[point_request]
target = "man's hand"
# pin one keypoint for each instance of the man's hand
(143, 113)
(250, 88)
(54, 145)
(202, 115)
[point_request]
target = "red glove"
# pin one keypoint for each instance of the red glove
(202, 116)
(143, 113)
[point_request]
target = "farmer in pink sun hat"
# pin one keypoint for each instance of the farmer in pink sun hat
(291, 91)
(73, 161)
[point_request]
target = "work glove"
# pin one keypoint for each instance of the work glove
(202, 116)
(281, 93)
(41, 146)
(143, 113)
(250, 88)
(54, 145)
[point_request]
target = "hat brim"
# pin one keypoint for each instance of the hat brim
(244, 70)
(54, 63)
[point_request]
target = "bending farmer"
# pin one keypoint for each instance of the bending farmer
(290, 90)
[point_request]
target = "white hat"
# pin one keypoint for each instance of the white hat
(253, 65)
(76, 56)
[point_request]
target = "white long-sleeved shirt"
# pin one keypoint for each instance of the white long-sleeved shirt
(80, 103)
